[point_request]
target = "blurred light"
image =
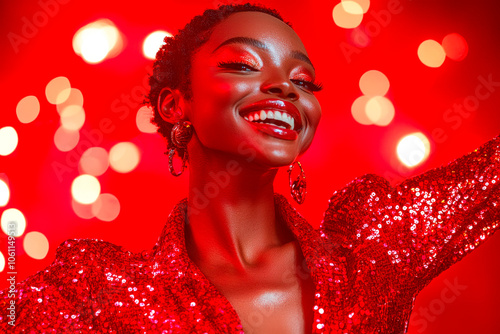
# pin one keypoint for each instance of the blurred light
(143, 120)
(413, 149)
(8, 140)
(4, 193)
(347, 14)
(455, 46)
(94, 161)
(57, 90)
(75, 97)
(358, 110)
(431, 53)
(83, 211)
(153, 42)
(27, 109)
(2, 262)
(72, 117)
(106, 207)
(97, 41)
(364, 4)
(380, 110)
(13, 216)
(374, 83)
(85, 189)
(36, 245)
(124, 157)
(66, 140)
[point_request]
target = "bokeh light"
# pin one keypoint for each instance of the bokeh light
(85, 189)
(72, 118)
(106, 207)
(94, 161)
(153, 42)
(358, 110)
(75, 98)
(124, 157)
(347, 14)
(455, 46)
(373, 83)
(431, 53)
(57, 90)
(66, 140)
(16, 217)
(97, 41)
(8, 140)
(143, 120)
(4, 193)
(380, 110)
(36, 245)
(413, 149)
(2, 262)
(364, 4)
(83, 211)
(28, 109)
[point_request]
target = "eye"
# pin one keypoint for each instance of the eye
(237, 66)
(308, 85)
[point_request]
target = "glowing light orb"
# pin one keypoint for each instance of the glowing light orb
(72, 118)
(455, 46)
(28, 109)
(8, 140)
(431, 53)
(2, 262)
(66, 140)
(85, 189)
(13, 222)
(36, 245)
(347, 14)
(143, 120)
(106, 207)
(364, 4)
(94, 161)
(373, 83)
(58, 90)
(83, 211)
(124, 157)
(380, 110)
(358, 110)
(97, 41)
(4, 193)
(153, 42)
(413, 149)
(75, 98)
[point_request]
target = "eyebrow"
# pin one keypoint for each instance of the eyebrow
(258, 44)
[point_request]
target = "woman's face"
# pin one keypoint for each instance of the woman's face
(253, 92)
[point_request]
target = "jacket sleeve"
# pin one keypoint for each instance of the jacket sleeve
(425, 224)
(55, 300)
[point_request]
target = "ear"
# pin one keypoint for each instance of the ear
(169, 105)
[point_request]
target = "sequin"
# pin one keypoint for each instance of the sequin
(371, 233)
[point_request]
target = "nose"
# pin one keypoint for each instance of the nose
(280, 86)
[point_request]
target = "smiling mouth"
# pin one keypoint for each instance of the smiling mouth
(275, 118)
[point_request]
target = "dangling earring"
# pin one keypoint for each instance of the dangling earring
(180, 135)
(297, 186)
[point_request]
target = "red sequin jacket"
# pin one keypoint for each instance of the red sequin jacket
(378, 246)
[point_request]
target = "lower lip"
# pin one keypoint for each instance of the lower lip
(275, 131)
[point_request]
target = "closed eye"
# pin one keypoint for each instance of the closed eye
(308, 85)
(237, 66)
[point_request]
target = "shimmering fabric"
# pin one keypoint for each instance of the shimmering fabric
(378, 246)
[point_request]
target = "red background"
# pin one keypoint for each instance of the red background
(343, 149)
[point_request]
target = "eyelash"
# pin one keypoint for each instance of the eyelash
(309, 85)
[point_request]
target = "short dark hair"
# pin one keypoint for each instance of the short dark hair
(173, 61)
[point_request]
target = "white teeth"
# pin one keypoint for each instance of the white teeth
(250, 118)
(246, 118)
(293, 124)
(263, 115)
(277, 115)
(270, 114)
(256, 117)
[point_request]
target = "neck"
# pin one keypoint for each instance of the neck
(231, 213)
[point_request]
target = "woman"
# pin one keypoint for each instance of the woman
(233, 94)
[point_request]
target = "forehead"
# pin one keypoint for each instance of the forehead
(275, 33)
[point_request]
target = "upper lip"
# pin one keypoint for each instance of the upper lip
(275, 104)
